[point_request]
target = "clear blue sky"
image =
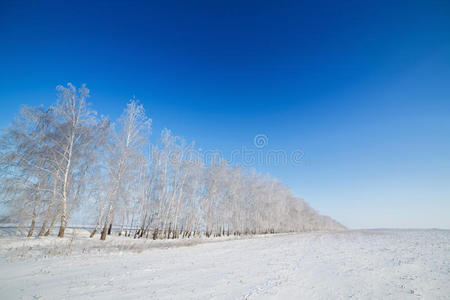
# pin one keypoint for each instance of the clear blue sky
(361, 87)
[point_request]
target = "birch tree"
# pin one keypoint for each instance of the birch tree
(124, 151)
(25, 166)
(53, 160)
(73, 138)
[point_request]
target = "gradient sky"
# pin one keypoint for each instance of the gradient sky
(361, 87)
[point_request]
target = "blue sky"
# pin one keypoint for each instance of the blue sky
(361, 87)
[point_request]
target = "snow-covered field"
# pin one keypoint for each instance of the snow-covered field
(354, 264)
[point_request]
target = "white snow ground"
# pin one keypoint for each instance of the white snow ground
(355, 264)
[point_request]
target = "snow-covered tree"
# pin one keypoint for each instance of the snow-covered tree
(53, 160)
(122, 165)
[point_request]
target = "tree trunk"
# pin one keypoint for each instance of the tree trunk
(44, 226)
(107, 222)
(30, 232)
(62, 228)
(155, 232)
(50, 206)
(104, 232)
(33, 222)
(93, 232)
(105, 227)
(49, 230)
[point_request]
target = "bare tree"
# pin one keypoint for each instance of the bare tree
(52, 160)
(125, 149)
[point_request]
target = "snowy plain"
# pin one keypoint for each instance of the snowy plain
(369, 264)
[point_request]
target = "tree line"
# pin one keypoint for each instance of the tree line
(65, 159)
